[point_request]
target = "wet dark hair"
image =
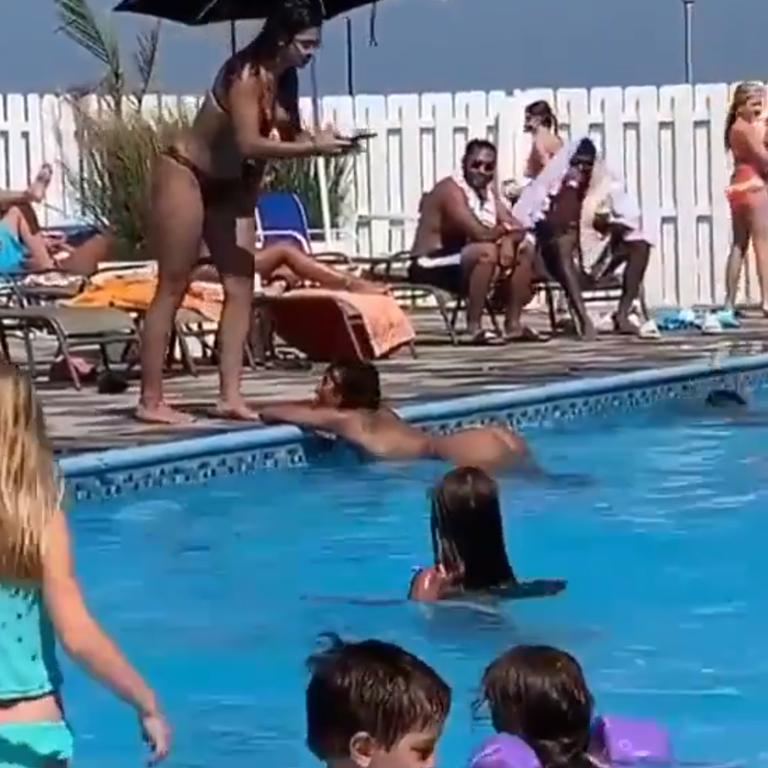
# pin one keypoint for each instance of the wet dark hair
(467, 530)
(478, 145)
(718, 397)
(288, 18)
(370, 686)
(357, 383)
(539, 694)
(544, 112)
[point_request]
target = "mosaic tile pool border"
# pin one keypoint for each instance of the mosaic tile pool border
(122, 471)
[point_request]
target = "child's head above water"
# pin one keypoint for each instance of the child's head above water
(467, 530)
(30, 492)
(539, 694)
(374, 705)
(350, 385)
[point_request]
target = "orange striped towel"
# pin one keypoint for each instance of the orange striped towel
(134, 293)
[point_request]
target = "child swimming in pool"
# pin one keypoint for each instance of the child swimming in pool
(539, 694)
(374, 705)
(348, 404)
(468, 544)
(41, 601)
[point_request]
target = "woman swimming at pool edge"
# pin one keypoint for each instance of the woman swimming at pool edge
(468, 544)
(41, 600)
(348, 404)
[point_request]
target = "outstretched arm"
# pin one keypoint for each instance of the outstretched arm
(86, 642)
(245, 98)
(311, 416)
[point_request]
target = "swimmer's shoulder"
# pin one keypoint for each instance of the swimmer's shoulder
(428, 585)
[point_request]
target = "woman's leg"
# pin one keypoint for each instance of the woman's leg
(758, 227)
(273, 257)
(84, 260)
(175, 232)
(231, 239)
(737, 255)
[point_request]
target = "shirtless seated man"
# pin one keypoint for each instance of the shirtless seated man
(348, 404)
(466, 237)
(558, 220)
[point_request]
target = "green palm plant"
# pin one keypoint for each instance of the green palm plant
(79, 23)
(118, 143)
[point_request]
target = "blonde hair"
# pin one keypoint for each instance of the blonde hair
(741, 96)
(30, 489)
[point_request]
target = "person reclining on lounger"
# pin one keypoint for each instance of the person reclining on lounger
(466, 238)
(25, 248)
(578, 206)
(348, 404)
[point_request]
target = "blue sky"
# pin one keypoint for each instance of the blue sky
(437, 45)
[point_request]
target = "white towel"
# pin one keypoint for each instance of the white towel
(484, 209)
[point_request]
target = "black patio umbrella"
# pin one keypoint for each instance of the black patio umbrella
(212, 11)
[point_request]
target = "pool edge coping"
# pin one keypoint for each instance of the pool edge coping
(117, 459)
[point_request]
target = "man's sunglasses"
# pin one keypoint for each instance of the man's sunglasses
(479, 165)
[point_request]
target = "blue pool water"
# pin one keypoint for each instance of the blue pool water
(218, 591)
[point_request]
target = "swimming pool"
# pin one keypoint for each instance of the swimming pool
(218, 591)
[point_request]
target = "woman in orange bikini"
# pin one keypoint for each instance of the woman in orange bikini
(204, 190)
(745, 133)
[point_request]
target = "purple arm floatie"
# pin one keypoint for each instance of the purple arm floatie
(615, 740)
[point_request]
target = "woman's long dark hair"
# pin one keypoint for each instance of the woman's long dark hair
(286, 21)
(467, 530)
(539, 694)
(544, 112)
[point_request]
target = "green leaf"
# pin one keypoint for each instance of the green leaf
(79, 24)
(145, 58)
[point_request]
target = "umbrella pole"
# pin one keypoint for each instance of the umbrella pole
(322, 171)
(233, 36)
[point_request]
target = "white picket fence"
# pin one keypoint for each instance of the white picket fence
(667, 141)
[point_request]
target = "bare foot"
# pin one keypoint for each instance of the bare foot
(39, 186)
(358, 285)
(162, 414)
(237, 411)
(589, 333)
(624, 326)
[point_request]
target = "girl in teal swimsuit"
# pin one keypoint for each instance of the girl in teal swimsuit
(41, 601)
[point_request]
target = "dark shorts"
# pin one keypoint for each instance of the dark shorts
(441, 270)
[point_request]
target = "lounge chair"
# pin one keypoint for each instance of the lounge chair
(281, 215)
(342, 334)
(608, 288)
(72, 328)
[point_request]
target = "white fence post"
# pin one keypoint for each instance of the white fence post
(667, 141)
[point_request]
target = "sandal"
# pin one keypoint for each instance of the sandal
(525, 335)
(482, 338)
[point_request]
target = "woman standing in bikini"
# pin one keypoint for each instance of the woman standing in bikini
(204, 190)
(541, 123)
(745, 132)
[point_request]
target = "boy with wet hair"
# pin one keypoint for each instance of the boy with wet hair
(372, 704)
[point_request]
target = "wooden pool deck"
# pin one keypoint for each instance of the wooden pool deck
(88, 421)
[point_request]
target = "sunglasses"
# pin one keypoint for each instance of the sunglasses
(479, 165)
